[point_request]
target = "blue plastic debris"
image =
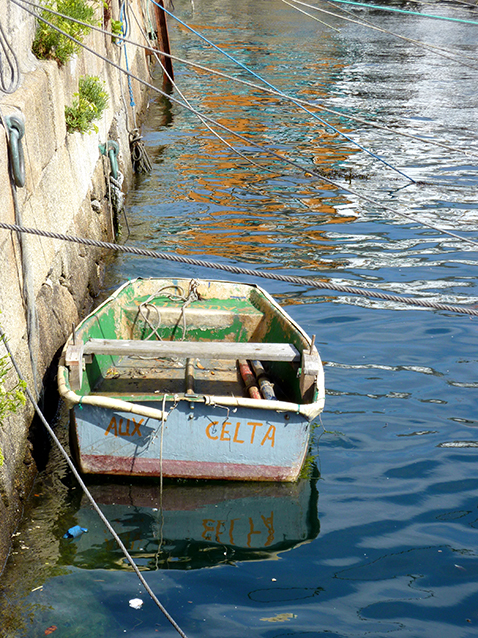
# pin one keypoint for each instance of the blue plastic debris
(74, 532)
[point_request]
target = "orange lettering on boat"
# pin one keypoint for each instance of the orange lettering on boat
(270, 435)
(225, 432)
(121, 433)
(254, 426)
(111, 426)
(236, 433)
(136, 427)
(210, 430)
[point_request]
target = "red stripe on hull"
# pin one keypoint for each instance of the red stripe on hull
(186, 469)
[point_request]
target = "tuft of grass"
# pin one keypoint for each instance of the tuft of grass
(50, 44)
(88, 105)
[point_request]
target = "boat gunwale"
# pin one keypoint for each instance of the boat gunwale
(308, 410)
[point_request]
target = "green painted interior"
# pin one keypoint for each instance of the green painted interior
(248, 316)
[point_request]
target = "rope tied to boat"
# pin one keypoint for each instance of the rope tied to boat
(187, 299)
(87, 493)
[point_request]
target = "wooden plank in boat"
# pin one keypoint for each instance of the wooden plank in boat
(197, 349)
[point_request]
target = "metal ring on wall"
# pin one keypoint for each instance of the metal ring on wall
(16, 129)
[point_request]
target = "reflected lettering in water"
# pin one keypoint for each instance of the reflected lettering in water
(187, 526)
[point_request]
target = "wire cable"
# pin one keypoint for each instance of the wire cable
(301, 106)
(237, 270)
(396, 10)
(62, 450)
(208, 126)
(458, 58)
(308, 171)
(263, 88)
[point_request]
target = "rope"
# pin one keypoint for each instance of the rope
(9, 72)
(125, 31)
(307, 281)
(87, 492)
(208, 126)
(248, 141)
(139, 156)
(364, 23)
(414, 13)
(263, 88)
(296, 102)
(329, 26)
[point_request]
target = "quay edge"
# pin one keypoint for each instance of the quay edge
(47, 285)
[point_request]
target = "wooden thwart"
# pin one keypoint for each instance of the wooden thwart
(194, 349)
(75, 354)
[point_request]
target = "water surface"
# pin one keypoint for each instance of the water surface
(381, 537)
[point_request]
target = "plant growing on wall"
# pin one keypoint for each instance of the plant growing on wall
(10, 399)
(88, 105)
(50, 43)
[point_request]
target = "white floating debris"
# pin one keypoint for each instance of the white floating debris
(136, 603)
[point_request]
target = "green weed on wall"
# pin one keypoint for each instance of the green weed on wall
(11, 398)
(88, 105)
(50, 43)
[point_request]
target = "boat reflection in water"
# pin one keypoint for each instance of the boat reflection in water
(193, 525)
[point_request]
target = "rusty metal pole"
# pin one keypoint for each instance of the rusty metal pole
(163, 41)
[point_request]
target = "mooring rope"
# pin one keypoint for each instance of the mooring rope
(444, 53)
(257, 86)
(396, 10)
(297, 103)
(87, 493)
(157, 54)
(309, 172)
(237, 270)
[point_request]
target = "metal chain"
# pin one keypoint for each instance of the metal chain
(307, 281)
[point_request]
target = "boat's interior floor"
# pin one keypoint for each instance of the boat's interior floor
(130, 376)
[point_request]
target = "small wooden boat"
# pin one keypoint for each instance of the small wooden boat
(192, 379)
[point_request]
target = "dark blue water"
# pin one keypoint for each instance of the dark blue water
(381, 537)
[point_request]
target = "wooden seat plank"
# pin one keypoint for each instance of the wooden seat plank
(193, 349)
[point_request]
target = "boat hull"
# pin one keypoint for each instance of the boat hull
(196, 441)
(167, 377)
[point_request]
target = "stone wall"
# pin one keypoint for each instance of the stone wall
(52, 282)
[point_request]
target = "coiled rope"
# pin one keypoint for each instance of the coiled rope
(120, 543)
(237, 270)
